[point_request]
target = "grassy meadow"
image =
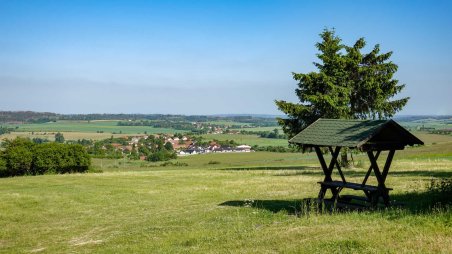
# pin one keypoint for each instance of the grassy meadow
(222, 203)
(247, 139)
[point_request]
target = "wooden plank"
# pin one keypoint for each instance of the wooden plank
(354, 186)
(370, 168)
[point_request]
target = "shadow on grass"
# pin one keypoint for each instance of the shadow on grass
(292, 207)
(355, 173)
(409, 203)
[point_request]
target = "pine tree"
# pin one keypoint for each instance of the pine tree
(348, 85)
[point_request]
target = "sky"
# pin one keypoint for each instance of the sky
(207, 57)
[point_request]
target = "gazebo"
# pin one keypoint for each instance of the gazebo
(370, 136)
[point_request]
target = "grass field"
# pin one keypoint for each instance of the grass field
(242, 203)
(262, 129)
(247, 139)
(429, 123)
(89, 127)
(70, 135)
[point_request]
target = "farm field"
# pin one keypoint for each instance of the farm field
(428, 123)
(68, 135)
(89, 127)
(270, 128)
(221, 203)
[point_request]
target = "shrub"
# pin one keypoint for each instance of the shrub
(23, 157)
(213, 162)
(177, 164)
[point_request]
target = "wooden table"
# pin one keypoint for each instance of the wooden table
(372, 193)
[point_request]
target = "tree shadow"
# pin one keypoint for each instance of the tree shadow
(356, 173)
(292, 207)
(407, 203)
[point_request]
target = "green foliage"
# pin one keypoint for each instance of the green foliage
(39, 140)
(3, 167)
(265, 134)
(174, 164)
(60, 158)
(275, 149)
(4, 130)
(169, 146)
(59, 138)
(23, 157)
(162, 155)
(18, 156)
(349, 84)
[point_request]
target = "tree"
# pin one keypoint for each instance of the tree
(348, 84)
(169, 146)
(59, 138)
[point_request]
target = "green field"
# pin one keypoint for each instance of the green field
(90, 127)
(428, 123)
(247, 139)
(244, 203)
(271, 128)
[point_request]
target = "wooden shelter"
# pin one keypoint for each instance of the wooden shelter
(370, 136)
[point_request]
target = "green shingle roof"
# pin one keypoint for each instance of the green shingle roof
(351, 133)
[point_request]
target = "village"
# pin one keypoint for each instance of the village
(182, 145)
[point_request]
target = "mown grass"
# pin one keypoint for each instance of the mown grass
(243, 203)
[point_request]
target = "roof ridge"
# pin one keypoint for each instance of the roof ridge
(353, 120)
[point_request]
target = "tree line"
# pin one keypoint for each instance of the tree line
(266, 134)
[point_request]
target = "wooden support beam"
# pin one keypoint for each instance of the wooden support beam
(337, 164)
(388, 164)
(374, 164)
(334, 156)
(370, 168)
(323, 163)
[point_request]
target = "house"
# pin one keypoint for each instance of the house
(243, 148)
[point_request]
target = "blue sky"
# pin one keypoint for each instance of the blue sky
(206, 57)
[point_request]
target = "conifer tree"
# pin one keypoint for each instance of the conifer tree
(348, 85)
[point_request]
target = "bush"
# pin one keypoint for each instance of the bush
(177, 164)
(213, 162)
(23, 157)
(162, 155)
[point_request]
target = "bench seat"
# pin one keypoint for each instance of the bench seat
(354, 186)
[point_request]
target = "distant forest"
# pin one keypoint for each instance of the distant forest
(255, 120)
(42, 117)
